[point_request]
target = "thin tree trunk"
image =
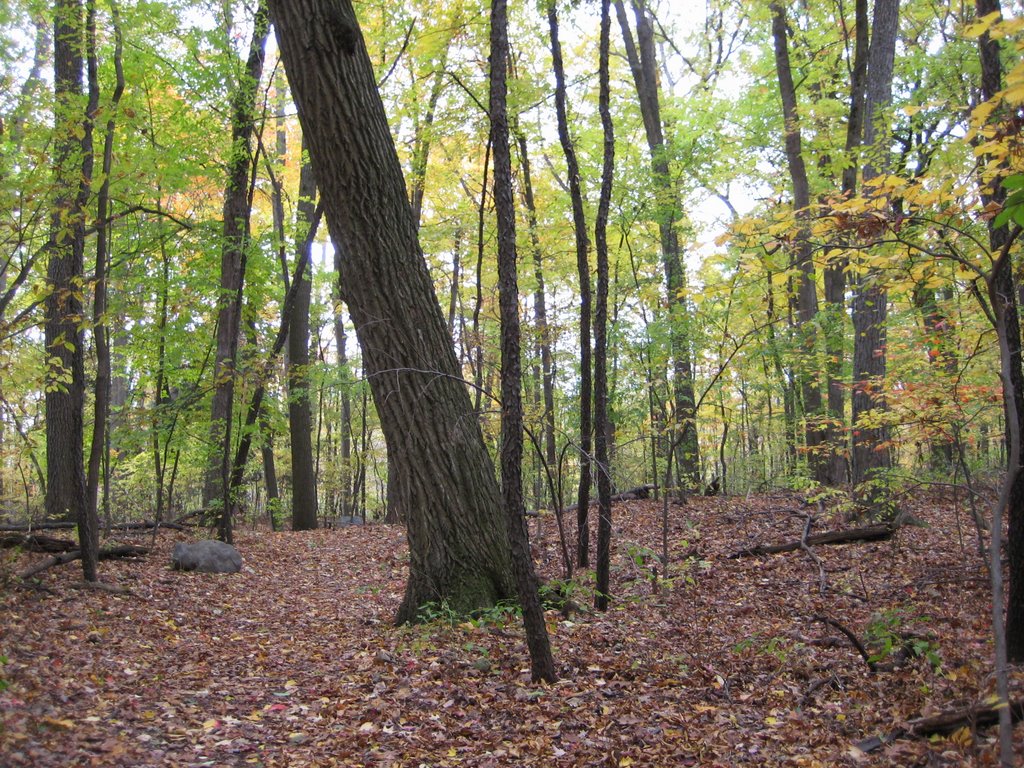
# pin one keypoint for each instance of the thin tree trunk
(642, 59)
(542, 667)
(1004, 286)
(235, 243)
(300, 416)
(579, 221)
(602, 423)
(807, 295)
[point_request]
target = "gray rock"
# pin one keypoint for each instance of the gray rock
(207, 556)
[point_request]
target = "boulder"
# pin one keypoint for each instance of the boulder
(207, 556)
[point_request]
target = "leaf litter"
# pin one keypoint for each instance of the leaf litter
(720, 662)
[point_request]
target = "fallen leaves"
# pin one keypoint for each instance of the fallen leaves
(294, 661)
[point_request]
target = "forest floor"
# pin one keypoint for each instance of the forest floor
(295, 661)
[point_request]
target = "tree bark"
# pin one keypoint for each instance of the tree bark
(300, 416)
(643, 65)
(234, 244)
(1005, 287)
(65, 385)
(458, 542)
(579, 221)
(542, 666)
(807, 292)
(603, 431)
(871, 453)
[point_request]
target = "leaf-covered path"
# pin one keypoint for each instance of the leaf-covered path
(295, 662)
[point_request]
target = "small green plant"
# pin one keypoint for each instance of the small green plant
(3, 680)
(437, 613)
(884, 635)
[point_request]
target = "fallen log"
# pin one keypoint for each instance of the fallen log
(34, 542)
(640, 492)
(944, 724)
(109, 553)
(879, 532)
(60, 525)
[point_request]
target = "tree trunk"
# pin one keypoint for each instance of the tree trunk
(542, 666)
(300, 416)
(235, 242)
(1003, 280)
(65, 386)
(807, 292)
(603, 427)
(871, 453)
(579, 221)
(643, 65)
(458, 542)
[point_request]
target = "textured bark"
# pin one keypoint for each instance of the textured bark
(300, 415)
(870, 451)
(643, 65)
(579, 221)
(807, 292)
(234, 243)
(65, 387)
(101, 331)
(458, 541)
(603, 432)
(542, 666)
(1004, 286)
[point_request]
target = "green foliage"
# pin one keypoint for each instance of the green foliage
(885, 636)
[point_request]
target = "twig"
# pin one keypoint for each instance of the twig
(852, 638)
(803, 545)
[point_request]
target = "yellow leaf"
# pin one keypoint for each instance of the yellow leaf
(210, 724)
(65, 724)
(626, 761)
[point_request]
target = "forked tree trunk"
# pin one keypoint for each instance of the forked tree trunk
(458, 540)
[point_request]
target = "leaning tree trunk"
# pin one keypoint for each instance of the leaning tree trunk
(458, 541)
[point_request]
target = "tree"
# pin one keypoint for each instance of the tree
(582, 242)
(458, 543)
(871, 451)
(65, 348)
(807, 295)
(234, 246)
(300, 418)
(603, 436)
(541, 663)
(643, 65)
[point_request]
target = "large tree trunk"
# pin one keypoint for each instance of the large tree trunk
(65, 390)
(579, 221)
(300, 415)
(235, 242)
(807, 292)
(457, 538)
